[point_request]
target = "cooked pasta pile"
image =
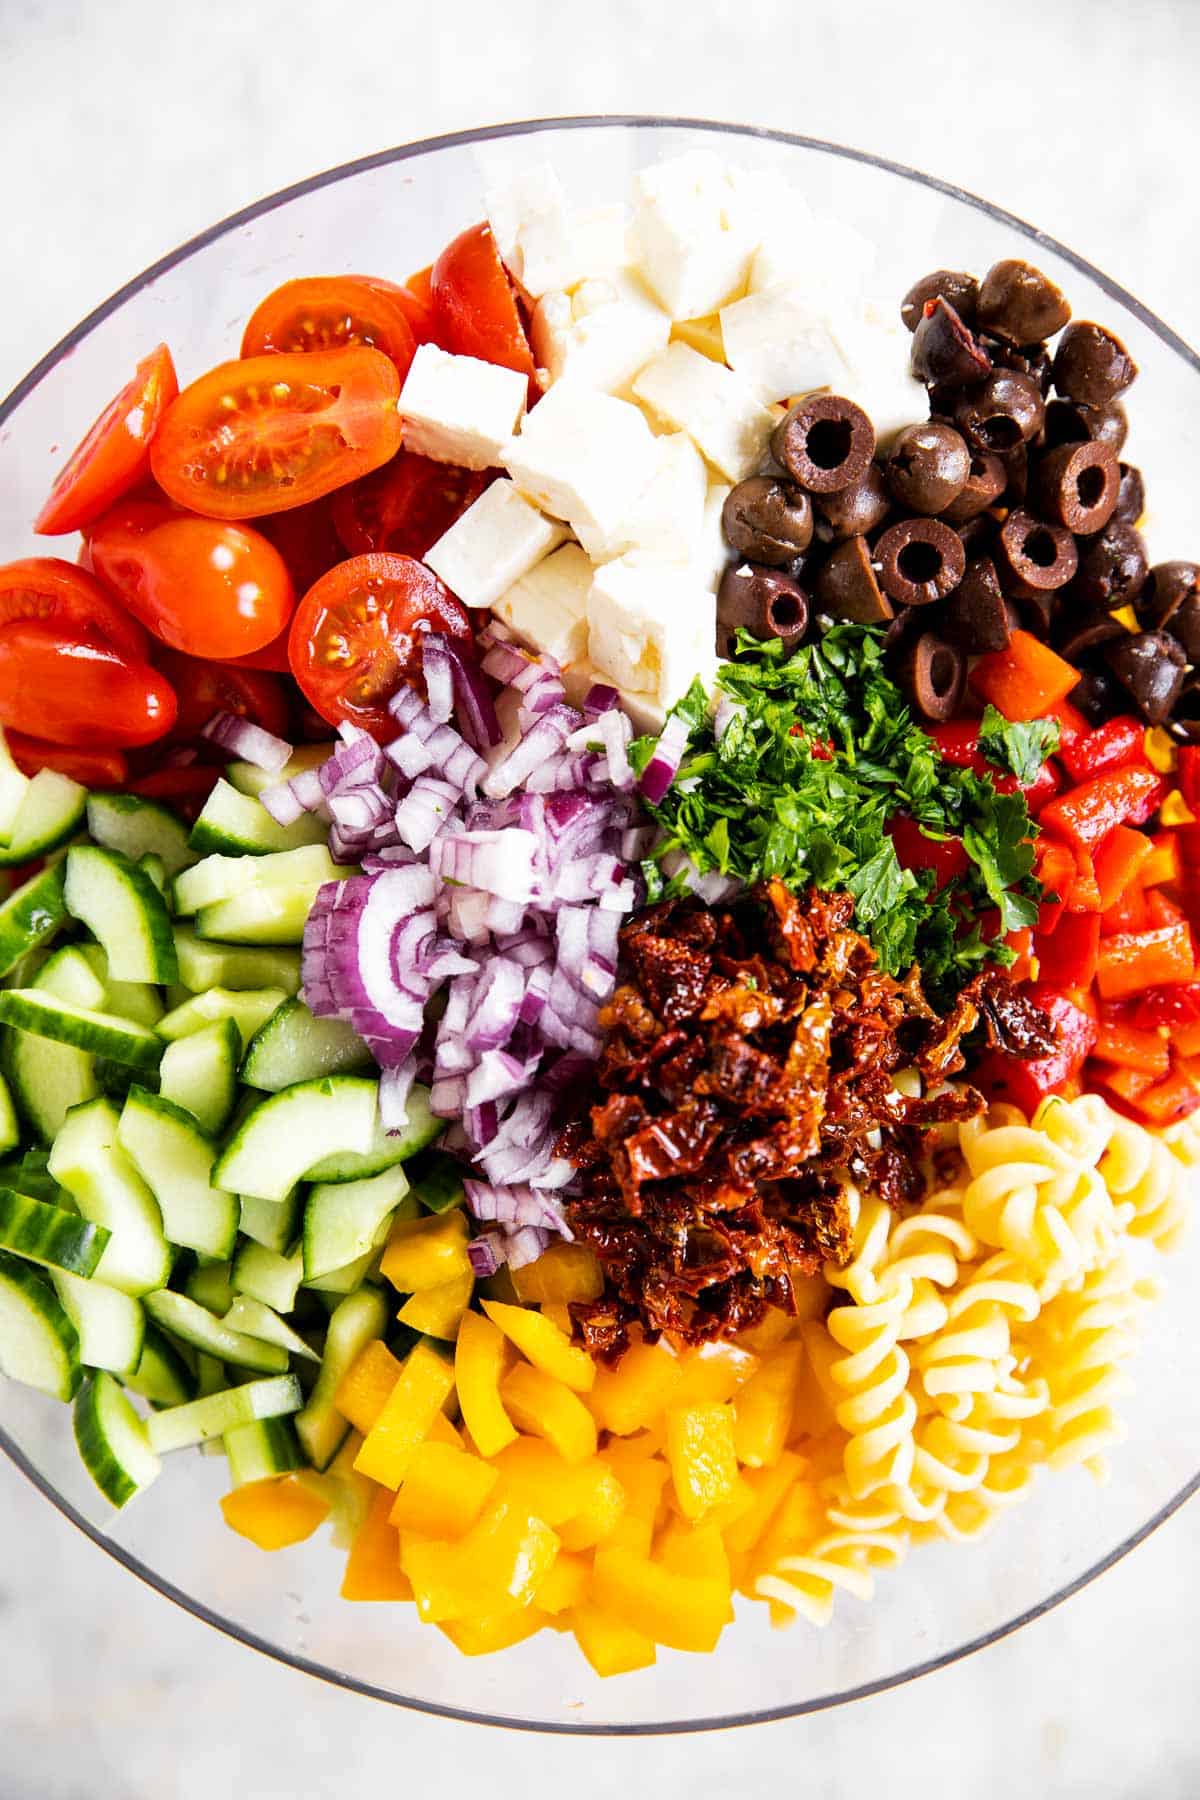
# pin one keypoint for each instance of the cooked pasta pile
(980, 1339)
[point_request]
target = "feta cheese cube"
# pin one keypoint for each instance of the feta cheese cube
(646, 710)
(689, 237)
(542, 243)
(827, 259)
(497, 540)
(599, 336)
(651, 625)
(778, 343)
(515, 194)
(720, 412)
(874, 347)
(457, 409)
(584, 457)
(668, 518)
(547, 608)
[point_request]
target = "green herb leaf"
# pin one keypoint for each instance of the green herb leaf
(1019, 746)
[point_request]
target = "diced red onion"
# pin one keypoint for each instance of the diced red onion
(545, 739)
(439, 682)
(425, 809)
(459, 685)
(663, 766)
(395, 1085)
(600, 698)
(248, 742)
(486, 1254)
(500, 862)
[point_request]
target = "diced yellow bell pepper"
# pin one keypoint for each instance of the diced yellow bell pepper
(275, 1512)
(611, 1646)
(817, 1394)
(713, 1373)
(633, 1395)
(544, 1345)
(559, 1315)
(768, 1487)
(1176, 811)
(566, 1585)
(438, 1311)
(600, 1497)
(500, 1562)
(694, 1550)
(426, 1382)
(771, 1330)
(563, 1273)
(1126, 616)
(582, 1501)
(701, 1456)
(1162, 753)
(686, 1612)
(643, 1480)
(427, 1252)
(479, 1361)
(729, 1511)
(703, 334)
(443, 1432)
(797, 1521)
(373, 1569)
(499, 1286)
(363, 1390)
(498, 1631)
(763, 1409)
(536, 1402)
(443, 1493)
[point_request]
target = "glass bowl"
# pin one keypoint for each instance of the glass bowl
(388, 215)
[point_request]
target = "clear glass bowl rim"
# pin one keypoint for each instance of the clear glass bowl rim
(343, 172)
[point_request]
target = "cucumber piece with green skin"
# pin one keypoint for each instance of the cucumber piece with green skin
(124, 912)
(354, 1162)
(69, 974)
(99, 1033)
(28, 1174)
(195, 1325)
(262, 916)
(289, 1134)
(349, 1278)
(200, 1073)
(235, 824)
(220, 878)
(50, 813)
(112, 1441)
(212, 1416)
(31, 914)
(249, 1009)
(50, 1235)
(13, 788)
(266, 1448)
(10, 1125)
(271, 1223)
(136, 1000)
(111, 1325)
(140, 828)
(156, 869)
(211, 1288)
(175, 1159)
(48, 1079)
(39, 1346)
(203, 965)
(268, 1277)
(91, 1165)
(342, 1220)
(356, 1322)
(294, 1046)
(256, 1319)
(436, 1178)
(162, 1375)
(248, 778)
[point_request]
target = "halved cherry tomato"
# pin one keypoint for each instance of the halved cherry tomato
(271, 432)
(356, 635)
(475, 305)
(115, 454)
(205, 688)
(306, 540)
(70, 599)
(205, 586)
(91, 768)
(79, 693)
(417, 301)
(330, 312)
(405, 507)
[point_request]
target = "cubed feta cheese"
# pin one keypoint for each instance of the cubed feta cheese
(875, 346)
(828, 260)
(547, 608)
(651, 625)
(516, 193)
(720, 412)
(780, 344)
(584, 457)
(647, 711)
(457, 409)
(668, 518)
(599, 336)
(497, 540)
(542, 242)
(690, 242)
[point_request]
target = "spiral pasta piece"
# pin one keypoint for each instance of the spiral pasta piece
(842, 1561)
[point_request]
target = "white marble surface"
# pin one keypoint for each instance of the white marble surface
(126, 127)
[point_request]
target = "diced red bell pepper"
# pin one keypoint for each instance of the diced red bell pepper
(1161, 910)
(1026, 1083)
(1071, 723)
(1025, 681)
(1179, 1005)
(945, 857)
(1188, 774)
(1069, 956)
(1163, 864)
(1055, 870)
(1134, 960)
(1126, 914)
(1127, 1084)
(1041, 790)
(1021, 944)
(1185, 1039)
(1111, 746)
(1170, 1100)
(1129, 1048)
(1083, 895)
(1086, 815)
(1117, 862)
(1188, 840)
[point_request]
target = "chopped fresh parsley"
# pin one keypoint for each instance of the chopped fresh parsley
(817, 752)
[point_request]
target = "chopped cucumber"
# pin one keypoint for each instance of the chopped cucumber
(38, 1343)
(221, 878)
(139, 828)
(267, 1447)
(436, 1179)
(342, 1219)
(266, 1276)
(352, 1162)
(209, 1286)
(100, 1033)
(354, 1324)
(250, 1009)
(51, 812)
(156, 869)
(112, 1441)
(256, 1319)
(91, 1165)
(203, 965)
(111, 1325)
(211, 1417)
(49, 1234)
(31, 914)
(289, 1134)
(13, 788)
(248, 778)
(162, 1376)
(124, 912)
(262, 916)
(199, 1073)
(196, 1326)
(271, 1223)
(28, 1174)
(349, 1278)
(294, 1046)
(69, 974)
(136, 1000)
(10, 1125)
(239, 825)
(175, 1160)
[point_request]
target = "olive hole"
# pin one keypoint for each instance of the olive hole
(1039, 547)
(1000, 432)
(1090, 486)
(943, 671)
(828, 443)
(785, 613)
(919, 562)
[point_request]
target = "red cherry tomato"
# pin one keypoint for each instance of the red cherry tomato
(271, 432)
(79, 693)
(356, 635)
(306, 540)
(272, 656)
(115, 454)
(417, 301)
(70, 599)
(205, 586)
(475, 305)
(331, 312)
(205, 688)
(406, 506)
(91, 768)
